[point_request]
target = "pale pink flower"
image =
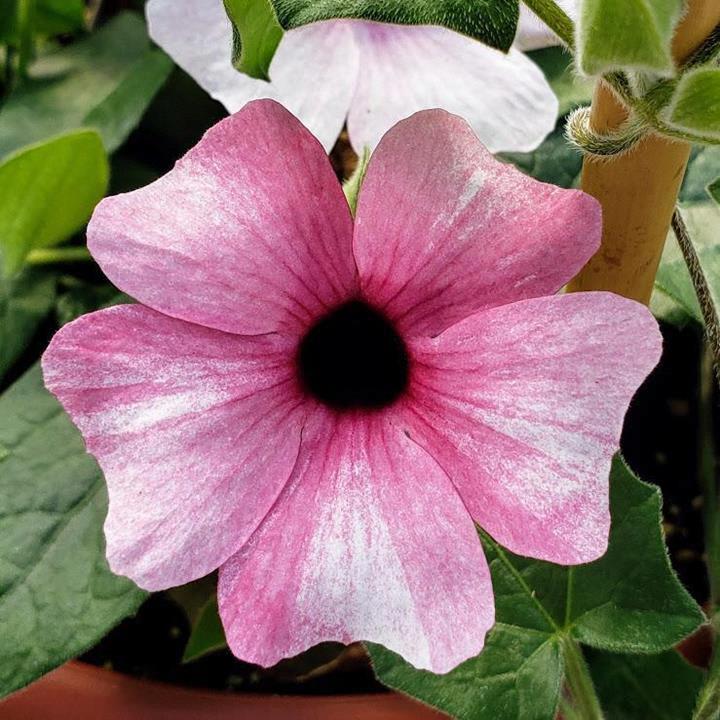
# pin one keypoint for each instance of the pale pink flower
(371, 75)
(323, 408)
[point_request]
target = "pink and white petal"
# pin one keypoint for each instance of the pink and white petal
(523, 407)
(249, 233)
(369, 541)
(443, 229)
(312, 74)
(196, 431)
(533, 33)
(505, 97)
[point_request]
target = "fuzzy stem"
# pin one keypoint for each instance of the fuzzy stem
(708, 479)
(708, 702)
(555, 18)
(48, 256)
(702, 288)
(25, 21)
(579, 681)
(638, 190)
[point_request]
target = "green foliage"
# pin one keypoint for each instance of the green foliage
(256, 35)
(50, 17)
(703, 169)
(627, 34)
(571, 89)
(661, 687)
(104, 82)
(629, 600)
(57, 595)
(494, 22)
(207, 633)
(695, 106)
(48, 192)
(26, 300)
(555, 161)
(673, 280)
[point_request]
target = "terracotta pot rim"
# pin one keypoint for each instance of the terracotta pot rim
(86, 692)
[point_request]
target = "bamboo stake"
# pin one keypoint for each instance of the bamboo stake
(638, 190)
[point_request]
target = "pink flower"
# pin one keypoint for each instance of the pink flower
(371, 75)
(323, 409)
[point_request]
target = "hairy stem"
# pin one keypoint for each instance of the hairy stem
(555, 18)
(708, 702)
(702, 288)
(579, 682)
(708, 479)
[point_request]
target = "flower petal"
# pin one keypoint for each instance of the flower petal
(368, 541)
(523, 406)
(196, 430)
(504, 97)
(249, 233)
(443, 229)
(312, 74)
(533, 33)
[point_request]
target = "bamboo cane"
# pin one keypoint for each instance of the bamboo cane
(638, 190)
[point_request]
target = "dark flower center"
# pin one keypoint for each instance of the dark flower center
(353, 358)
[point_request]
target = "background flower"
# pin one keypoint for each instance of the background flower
(370, 74)
(242, 419)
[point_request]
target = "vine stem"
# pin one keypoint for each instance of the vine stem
(579, 682)
(702, 287)
(48, 256)
(638, 190)
(708, 702)
(25, 18)
(555, 18)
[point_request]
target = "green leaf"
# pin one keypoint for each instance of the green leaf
(256, 35)
(673, 280)
(627, 35)
(695, 105)
(48, 192)
(571, 89)
(714, 190)
(25, 301)
(517, 676)
(57, 595)
(493, 22)
(661, 687)
(703, 169)
(207, 633)
(105, 82)
(50, 17)
(628, 600)
(555, 161)
(55, 17)
(631, 600)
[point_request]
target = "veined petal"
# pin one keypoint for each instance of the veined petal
(523, 406)
(312, 74)
(249, 233)
(196, 431)
(444, 229)
(369, 541)
(504, 97)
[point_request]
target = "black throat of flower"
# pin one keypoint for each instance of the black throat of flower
(354, 358)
